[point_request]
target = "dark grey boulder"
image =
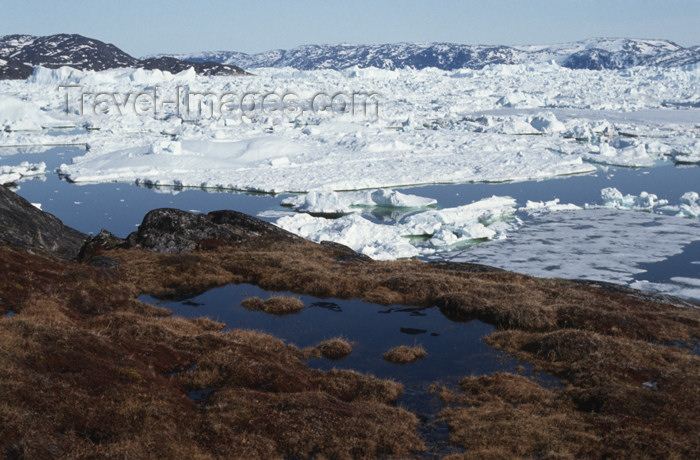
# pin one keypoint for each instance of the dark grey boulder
(174, 231)
(178, 232)
(23, 225)
(247, 226)
(103, 241)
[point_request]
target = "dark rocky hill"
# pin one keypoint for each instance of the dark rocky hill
(594, 54)
(21, 53)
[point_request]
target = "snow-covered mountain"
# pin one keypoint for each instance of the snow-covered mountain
(12, 69)
(65, 50)
(19, 53)
(596, 54)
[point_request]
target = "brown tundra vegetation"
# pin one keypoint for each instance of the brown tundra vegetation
(89, 371)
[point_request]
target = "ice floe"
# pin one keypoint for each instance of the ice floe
(23, 170)
(613, 198)
(689, 205)
(280, 130)
(599, 244)
(416, 234)
(341, 203)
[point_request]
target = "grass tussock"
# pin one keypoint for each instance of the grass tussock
(280, 305)
(639, 398)
(404, 354)
(336, 348)
(509, 416)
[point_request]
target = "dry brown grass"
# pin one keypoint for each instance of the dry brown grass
(520, 306)
(336, 348)
(279, 305)
(404, 354)
(607, 377)
(509, 416)
(87, 369)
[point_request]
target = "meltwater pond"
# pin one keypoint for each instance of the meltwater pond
(454, 349)
(644, 249)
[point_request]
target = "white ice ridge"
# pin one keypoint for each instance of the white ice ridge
(16, 173)
(501, 123)
(344, 203)
(417, 234)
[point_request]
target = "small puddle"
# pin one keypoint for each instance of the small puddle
(455, 349)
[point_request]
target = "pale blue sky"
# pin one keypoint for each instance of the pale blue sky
(143, 27)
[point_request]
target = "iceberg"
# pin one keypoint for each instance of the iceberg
(613, 198)
(417, 234)
(347, 202)
(23, 170)
(689, 205)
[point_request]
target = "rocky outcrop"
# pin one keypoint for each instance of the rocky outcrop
(176, 232)
(12, 69)
(174, 65)
(20, 53)
(593, 54)
(23, 225)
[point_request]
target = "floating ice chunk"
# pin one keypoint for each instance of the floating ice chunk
(325, 202)
(37, 205)
(395, 199)
(346, 202)
(14, 173)
(185, 162)
(378, 241)
(490, 218)
(547, 123)
(485, 212)
(538, 207)
(688, 153)
(690, 205)
(613, 198)
(467, 232)
(626, 154)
